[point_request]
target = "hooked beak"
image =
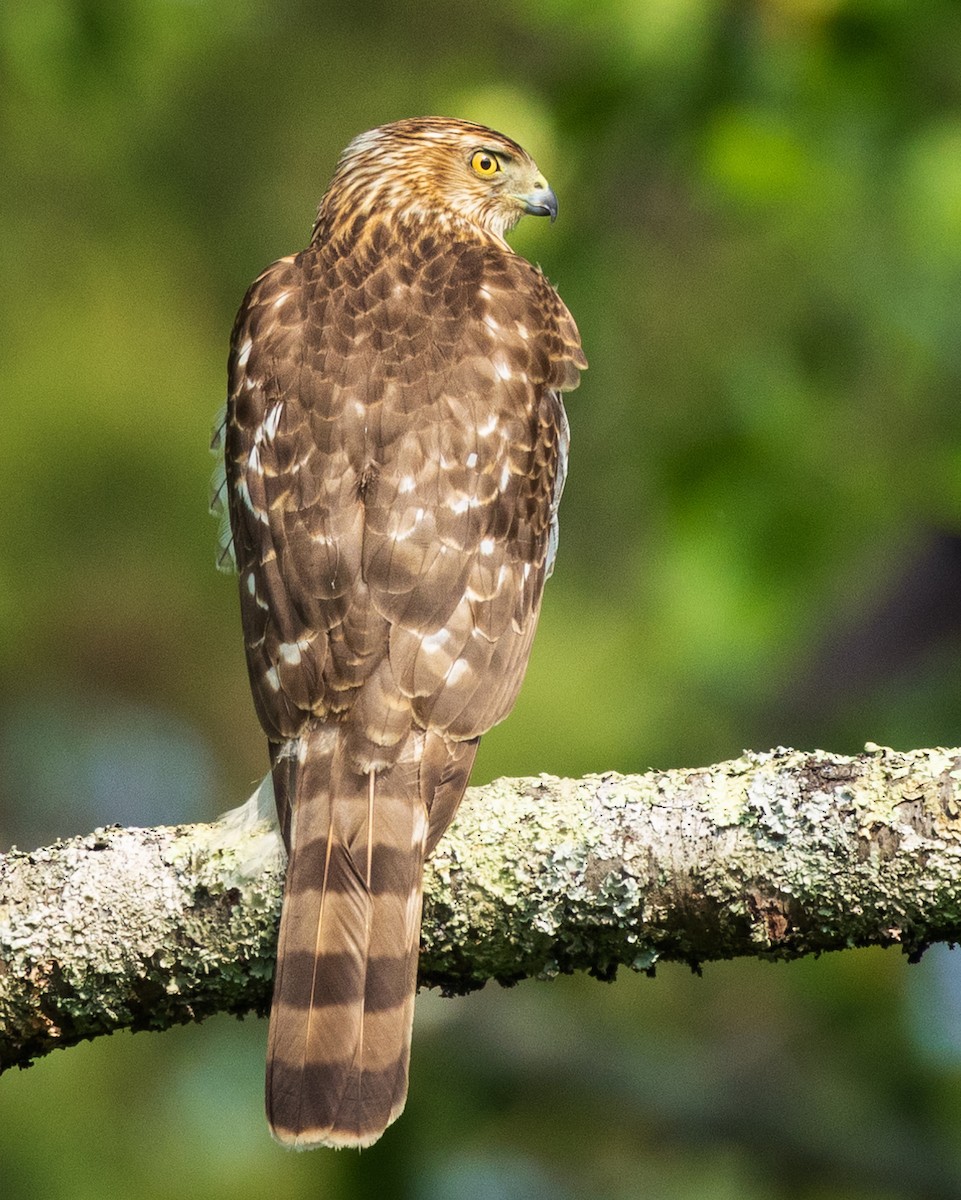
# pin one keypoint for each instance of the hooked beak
(541, 202)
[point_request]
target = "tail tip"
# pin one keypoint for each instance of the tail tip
(335, 1139)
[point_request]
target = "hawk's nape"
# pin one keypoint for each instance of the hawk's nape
(395, 452)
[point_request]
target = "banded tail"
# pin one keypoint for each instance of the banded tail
(343, 1003)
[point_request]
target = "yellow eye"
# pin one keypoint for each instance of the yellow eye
(484, 163)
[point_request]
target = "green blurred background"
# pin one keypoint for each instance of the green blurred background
(760, 237)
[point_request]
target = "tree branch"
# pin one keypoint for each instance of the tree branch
(774, 855)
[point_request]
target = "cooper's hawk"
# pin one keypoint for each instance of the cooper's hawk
(395, 453)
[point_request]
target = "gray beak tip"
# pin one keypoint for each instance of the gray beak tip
(541, 203)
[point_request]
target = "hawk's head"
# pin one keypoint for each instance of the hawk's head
(437, 169)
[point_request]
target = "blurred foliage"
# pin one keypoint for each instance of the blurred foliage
(760, 236)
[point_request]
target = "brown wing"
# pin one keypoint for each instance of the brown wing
(394, 448)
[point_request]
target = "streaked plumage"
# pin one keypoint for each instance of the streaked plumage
(395, 448)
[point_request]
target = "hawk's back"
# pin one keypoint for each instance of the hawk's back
(397, 427)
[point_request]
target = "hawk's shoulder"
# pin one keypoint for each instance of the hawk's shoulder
(490, 288)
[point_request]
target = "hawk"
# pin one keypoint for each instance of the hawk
(395, 448)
